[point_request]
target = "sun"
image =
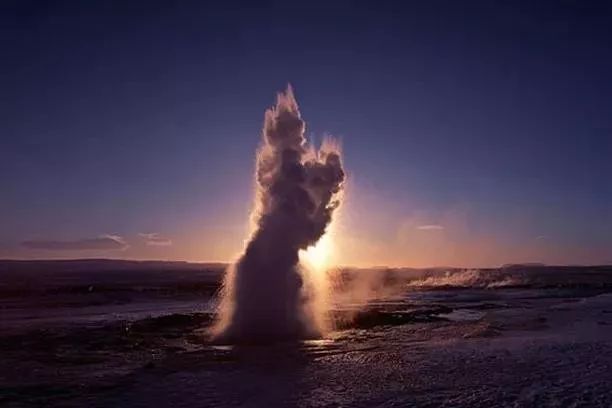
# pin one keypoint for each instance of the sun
(319, 255)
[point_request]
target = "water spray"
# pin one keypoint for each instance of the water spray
(267, 295)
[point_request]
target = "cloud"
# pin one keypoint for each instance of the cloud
(101, 243)
(155, 239)
(430, 227)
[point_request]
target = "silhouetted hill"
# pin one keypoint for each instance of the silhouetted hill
(101, 265)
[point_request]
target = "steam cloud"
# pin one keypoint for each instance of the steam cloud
(264, 297)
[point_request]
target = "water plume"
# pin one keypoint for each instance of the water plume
(267, 294)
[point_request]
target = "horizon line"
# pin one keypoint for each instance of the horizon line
(506, 265)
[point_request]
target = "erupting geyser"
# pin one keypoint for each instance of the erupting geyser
(266, 294)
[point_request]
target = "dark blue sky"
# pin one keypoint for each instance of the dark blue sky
(489, 121)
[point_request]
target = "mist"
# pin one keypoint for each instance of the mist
(267, 294)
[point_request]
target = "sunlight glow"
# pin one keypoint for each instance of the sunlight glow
(318, 257)
(317, 260)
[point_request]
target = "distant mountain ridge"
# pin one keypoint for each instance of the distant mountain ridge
(101, 265)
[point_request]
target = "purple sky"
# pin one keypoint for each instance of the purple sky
(474, 133)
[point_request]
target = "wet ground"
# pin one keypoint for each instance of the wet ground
(424, 347)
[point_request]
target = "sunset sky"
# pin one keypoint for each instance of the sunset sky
(474, 133)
